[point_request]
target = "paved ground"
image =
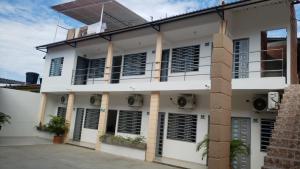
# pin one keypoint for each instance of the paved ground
(65, 157)
(15, 141)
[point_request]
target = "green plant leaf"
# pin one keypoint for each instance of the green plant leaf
(57, 125)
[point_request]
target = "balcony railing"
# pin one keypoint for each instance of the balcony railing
(248, 65)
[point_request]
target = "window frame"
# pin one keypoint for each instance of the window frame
(53, 66)
(262, 149)
(194, 67)
(87, 119)
(135, 69)
(99, 70)
(192, 138)
(236, 72)
(127, 127)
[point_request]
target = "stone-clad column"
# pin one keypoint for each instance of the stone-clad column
(220, 103)
(152, 126)
(69, 113)
(102, 118)
(42, 110)
(154, 103)
(105, 96)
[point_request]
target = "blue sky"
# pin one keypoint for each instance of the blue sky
(29, 23)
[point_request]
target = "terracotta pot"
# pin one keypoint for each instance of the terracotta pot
(58, 139)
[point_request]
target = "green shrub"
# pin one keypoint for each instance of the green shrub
(237, 148)
(137, 142)
(57, 125)
(4, 118)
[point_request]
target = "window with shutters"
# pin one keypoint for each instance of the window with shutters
(182, 127)
(61, 112)
(56, 66)
(91, 119)
(134, 64)
(130, 122)
(185, 59)
(96, 68)
(267, 125)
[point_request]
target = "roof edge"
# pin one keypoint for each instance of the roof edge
(206, 11)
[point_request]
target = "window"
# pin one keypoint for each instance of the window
(91, 119)
(185, 59)
(61, 112)
(134, 64)
(130, 122)
(267, 125)
(56, 66)
(182, 127)
(96, 68)
(240, 58)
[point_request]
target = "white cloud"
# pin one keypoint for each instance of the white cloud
(18, 41)
(160, 8)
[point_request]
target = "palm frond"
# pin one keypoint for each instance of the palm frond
(203, 145)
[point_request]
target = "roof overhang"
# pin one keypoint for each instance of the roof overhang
(115, 15)
(218, 9)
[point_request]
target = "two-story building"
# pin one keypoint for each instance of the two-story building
(109, 76)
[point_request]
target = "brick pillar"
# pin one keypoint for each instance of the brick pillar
(220, 103)
(105, 96)
(42, 109)
(69, 113)
(154, 103)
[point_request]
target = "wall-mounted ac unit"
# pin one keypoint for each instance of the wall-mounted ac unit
(135, 100)
(273, 101)
(63, 99)
(95, 100)
(260, 103)
(186, 101)
(266, 102)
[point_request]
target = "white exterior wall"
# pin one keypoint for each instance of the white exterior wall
(23, 107)
(249, 23)
(242, 107)
(123, 151)
(244, 23)
(64, 81)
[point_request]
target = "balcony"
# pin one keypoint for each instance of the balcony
(245, 66)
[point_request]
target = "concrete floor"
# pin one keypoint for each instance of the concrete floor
(49, 156)
(22, 141)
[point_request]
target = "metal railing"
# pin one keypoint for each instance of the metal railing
(253, 67)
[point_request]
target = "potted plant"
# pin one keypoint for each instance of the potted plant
(4, 118)
(57, 126)
(237, 148)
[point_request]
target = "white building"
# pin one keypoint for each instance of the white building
(81, 70)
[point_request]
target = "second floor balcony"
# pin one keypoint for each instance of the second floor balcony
(181, 65)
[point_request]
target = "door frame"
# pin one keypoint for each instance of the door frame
(82, 121)
(247, 118)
